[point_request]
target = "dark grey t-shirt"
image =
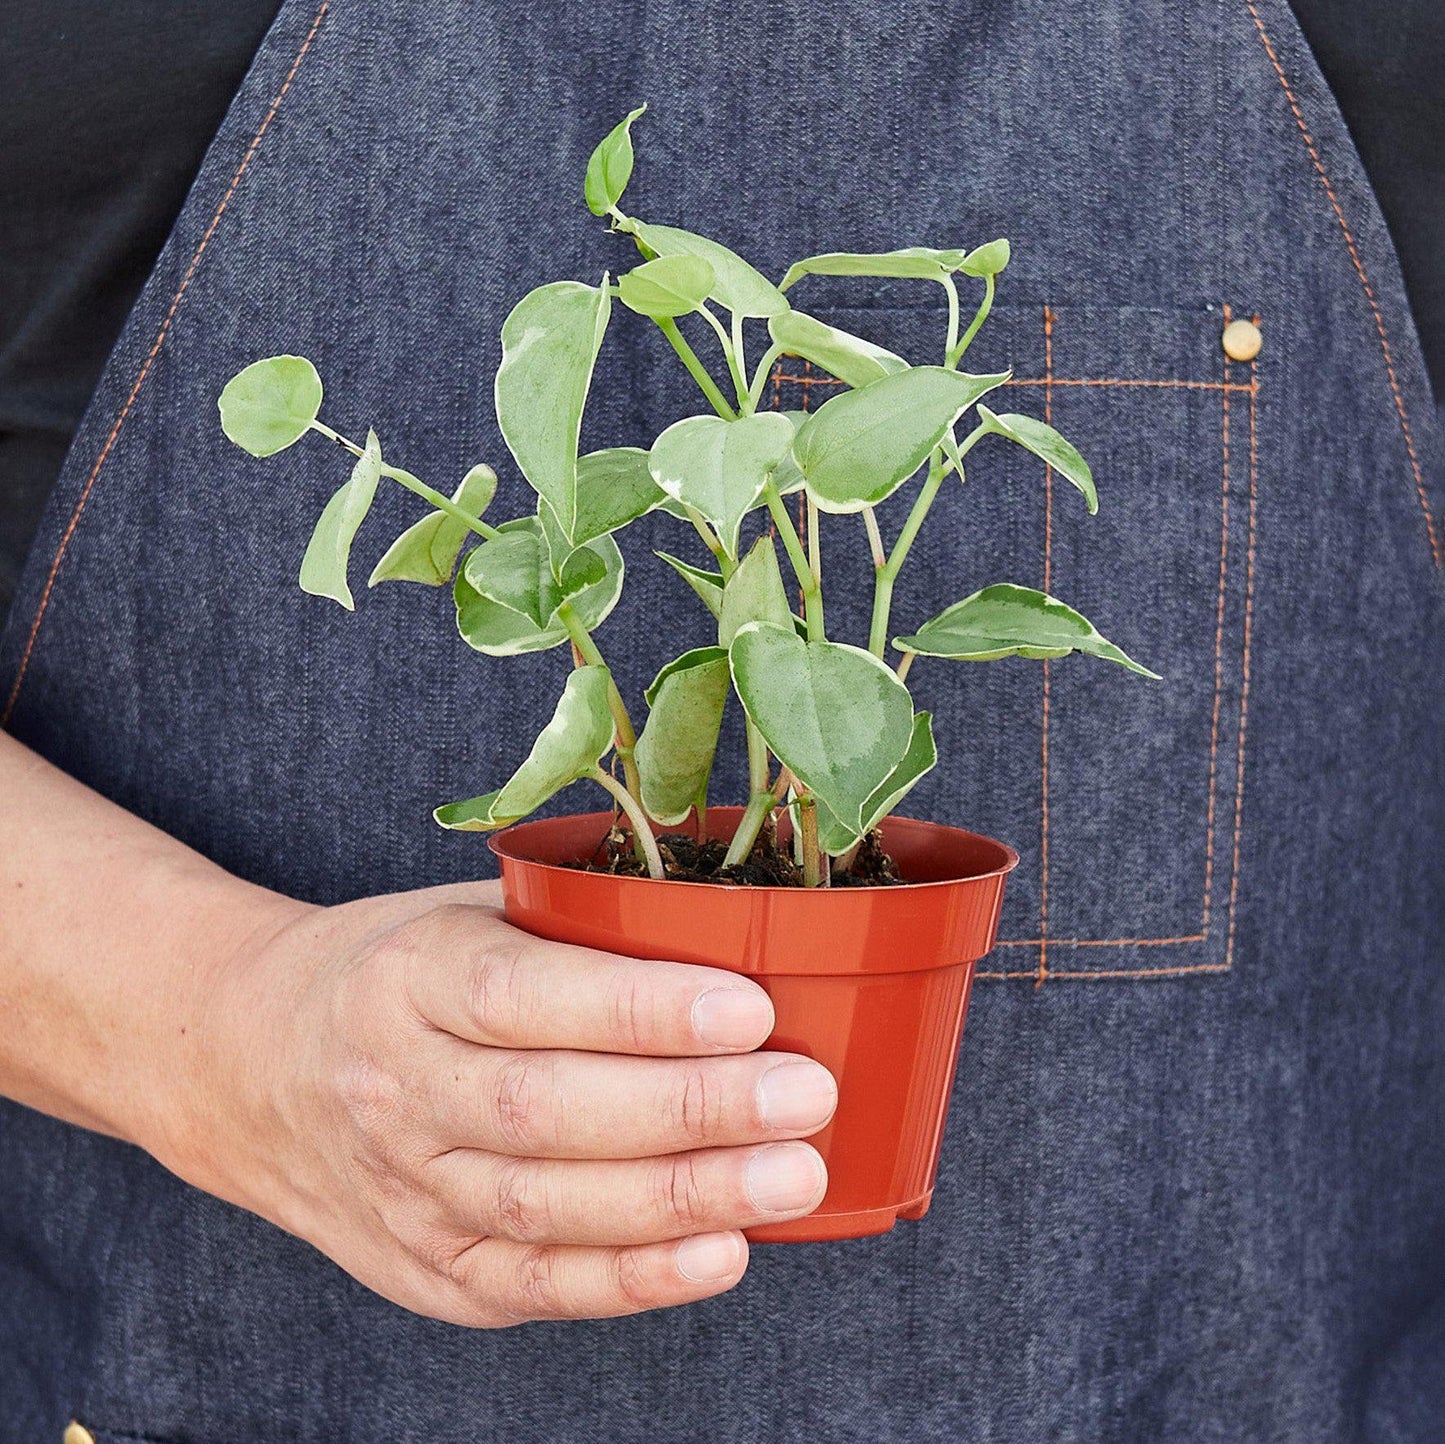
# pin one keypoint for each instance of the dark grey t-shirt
(105, 111)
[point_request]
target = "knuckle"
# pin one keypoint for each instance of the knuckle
(496, 989)
(696, 1107)
(633, 1012)
(521, 1208)
(525, 1117)
(679, 1188)
(372, 1100)
(636, 1288)
(538, 1285)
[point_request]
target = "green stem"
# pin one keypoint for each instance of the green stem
(708, 535)
(740, 385)
(621, 719)
(875, 538)
(668, 327)
(642, 835)
(955, 353)
(760, 804)
(952, 290)
(760, 376)
(793, 545)
(815, 870)
(415, 485)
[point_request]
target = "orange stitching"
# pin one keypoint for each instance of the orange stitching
(1123, 381)
(1100, 943)
(155, 349)
(1218, 648)
(1244, 689)
(1043, 970)
(1090, 975)
(1360, 271)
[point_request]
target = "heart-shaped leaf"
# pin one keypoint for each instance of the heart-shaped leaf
(519, 569)
(569, 747)
(721, 467)
(859, 447)
(986, 260)
(754, 593)
(919, 262)
(610, 166)
(550, 343)
(1047, 445)
(271, 404)
(328, 554)
(707, 585)
(837, 717)
(736, 285)
(850, 358)
(666, 287)
(675, 751)
(614, 487)
(427, 550)
(1010, 621)
(921, 757)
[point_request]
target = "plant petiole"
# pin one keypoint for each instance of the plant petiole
(642, 835)
(793, 545)
(698, 371)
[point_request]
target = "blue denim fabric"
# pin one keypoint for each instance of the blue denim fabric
(1191, 1188)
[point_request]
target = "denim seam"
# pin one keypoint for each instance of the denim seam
(1385, 349)
(165, 327)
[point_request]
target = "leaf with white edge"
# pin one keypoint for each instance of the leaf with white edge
(754, 593)
(787, 478)
(913, 262)
(520, 570)
(1009, 621)
(986, 260)
(850, 358)
(323, 568)
(707, 585)
(675, 751)
(837, 717)
(1045, 443)
(666, 287)
(739, 287)
(921, 758)
(550, 343)
(427, 550)
(515, 570)
(721, 467)
(569, 747)
(610, 166)
(859, 447)
(614, 487)
(271, 404)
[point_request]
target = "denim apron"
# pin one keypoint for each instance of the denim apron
(1191, 1188)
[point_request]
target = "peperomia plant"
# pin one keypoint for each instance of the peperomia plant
(837, 719)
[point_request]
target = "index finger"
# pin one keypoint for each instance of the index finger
(475, 976)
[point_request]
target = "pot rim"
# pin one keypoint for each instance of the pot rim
(497, 844)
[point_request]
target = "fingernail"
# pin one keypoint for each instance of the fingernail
(732, 1017)
(785, 1177)
(797, 1095)
(707, 1256)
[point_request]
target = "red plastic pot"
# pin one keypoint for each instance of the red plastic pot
(872, 982)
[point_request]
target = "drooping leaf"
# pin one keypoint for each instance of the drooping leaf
(610, 166)
(921, 758)
(570, 746)
(850, 358)
(787, 478)
(323, 568)
(668, 286)
(1045, 443)
(986, 260)
(614, 487)
(675, 751)
(913, 261)
(836, 716)
(707, 585)
(549, 348)
(427, 550)
(1010, 621)
(721, 467)
(754, 593)
(860, 446)
(271, 404)
(736, 285)
(520, 570)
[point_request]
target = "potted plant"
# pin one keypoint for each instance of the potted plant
(863, 926)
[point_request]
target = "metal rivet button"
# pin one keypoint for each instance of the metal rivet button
(78, 1434)
(1241, 340)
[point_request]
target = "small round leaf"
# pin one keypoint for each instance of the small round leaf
(271, 404)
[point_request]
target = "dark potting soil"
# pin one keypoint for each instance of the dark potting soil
(685, 859)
